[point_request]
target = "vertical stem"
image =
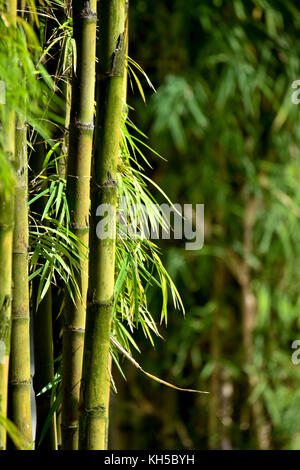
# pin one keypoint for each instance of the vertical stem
(125, 82)
(215, 428)
(78, 194)
(44, 368)
(20, 382)
(64, 83)
(214, 403)
(66, 88)
(110, 78)
(6, 243)
(249, 311)
(126, 34)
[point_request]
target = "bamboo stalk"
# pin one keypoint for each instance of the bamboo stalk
(6, 243)
(110, 77)
(215, 385)
(215, 426)
(63, 81)
(249, 314)
(20, 381)
(126, 35)
(125, 83)
(78, 195)
(44, 369)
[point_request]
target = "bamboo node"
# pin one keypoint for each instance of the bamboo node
(100, 303)
(98, 410)
(19, 316)
(69, 427)
(20, 383)
(75, 329)
(118, 59)
(80, 227)
(110, 181)
(87, 13)
(83, 125)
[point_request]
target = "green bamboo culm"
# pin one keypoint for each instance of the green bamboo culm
(6, 244)
(44, 370)
(109, 91)
(78, 196)
(20, 381)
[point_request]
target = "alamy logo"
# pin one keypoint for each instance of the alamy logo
(135, 221)
(296, 354)
(296, 94)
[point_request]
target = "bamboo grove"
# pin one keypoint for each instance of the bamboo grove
(69, 301)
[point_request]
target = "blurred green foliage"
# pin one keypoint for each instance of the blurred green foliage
(223, 117)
